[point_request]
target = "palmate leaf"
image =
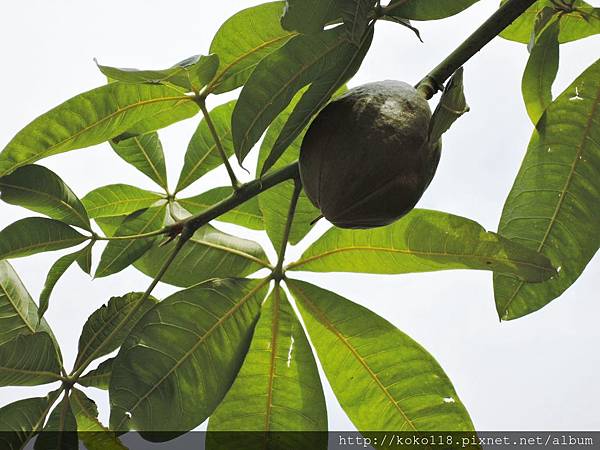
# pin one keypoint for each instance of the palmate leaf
(247, 215)
(60, 432)
(243, 41)
(191, 74)
(275, 202)
(423, 241)
(541, 71)
(18, 311)
(41, 190)
(325, 60)
(183, 355)
(118, 200)
(120, 254)
(29, 360)
(57, 270)
(21, 420)
(553, 205)
(382, 378)
(145, 153)
(202, 154)
(310, 16)
(84, 260)
(210, 253)
(33, 235)
(278, 388)
(427, 9)
(91, 432)
(94, 117)
(578, 24)
(98, 377)
(318, 94)
(100, 330)
(356, 15)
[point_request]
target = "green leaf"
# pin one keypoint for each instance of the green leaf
(191, 74)
(120, 254)
(99, 377)
(275, 202)
(60, 433)
(57, 270)
(310, 16)
(21, 420)
(553, 205)
(202, 154)
(181, 358)
(92, 433)
(246, 215)
(29, 360)
(316, 97)
(580, 23)
(278, 388)
(94, 117)
(356, 15)
(382, 378)
(41, 190)
(423, 241)
(540, 72)
(243, 41)
(210, 253)
(100, 335)
(84, 261)
(118, 200)
(427, 9)
(37, 234)
(18, 311)
(451, 107)
(327, 60)
(145, 153)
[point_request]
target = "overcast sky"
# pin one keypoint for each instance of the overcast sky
(539, 372)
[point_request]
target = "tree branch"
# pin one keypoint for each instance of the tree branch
(497, 22)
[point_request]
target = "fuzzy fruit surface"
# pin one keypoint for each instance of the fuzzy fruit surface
(366, 160)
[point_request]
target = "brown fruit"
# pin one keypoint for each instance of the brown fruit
(366, 160)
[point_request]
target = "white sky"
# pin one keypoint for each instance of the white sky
(539, 372)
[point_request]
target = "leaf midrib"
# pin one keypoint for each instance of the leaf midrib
(54, 376)
(317, 106)
(130, 305)
(233, 211)
(233, 251)
(562, 197)
(191, 351)
(46, 244)
(219, 78)
(258, 115)
(130, 243)
(93, 211)
(323, 317)
(160, 178)
(328, 253)
(272, 356)
(74, 136)
(17, 310)
(84, 219)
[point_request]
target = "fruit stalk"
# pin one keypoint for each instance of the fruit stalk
(493, 26)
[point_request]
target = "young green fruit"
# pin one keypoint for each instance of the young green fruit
(366, 159)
